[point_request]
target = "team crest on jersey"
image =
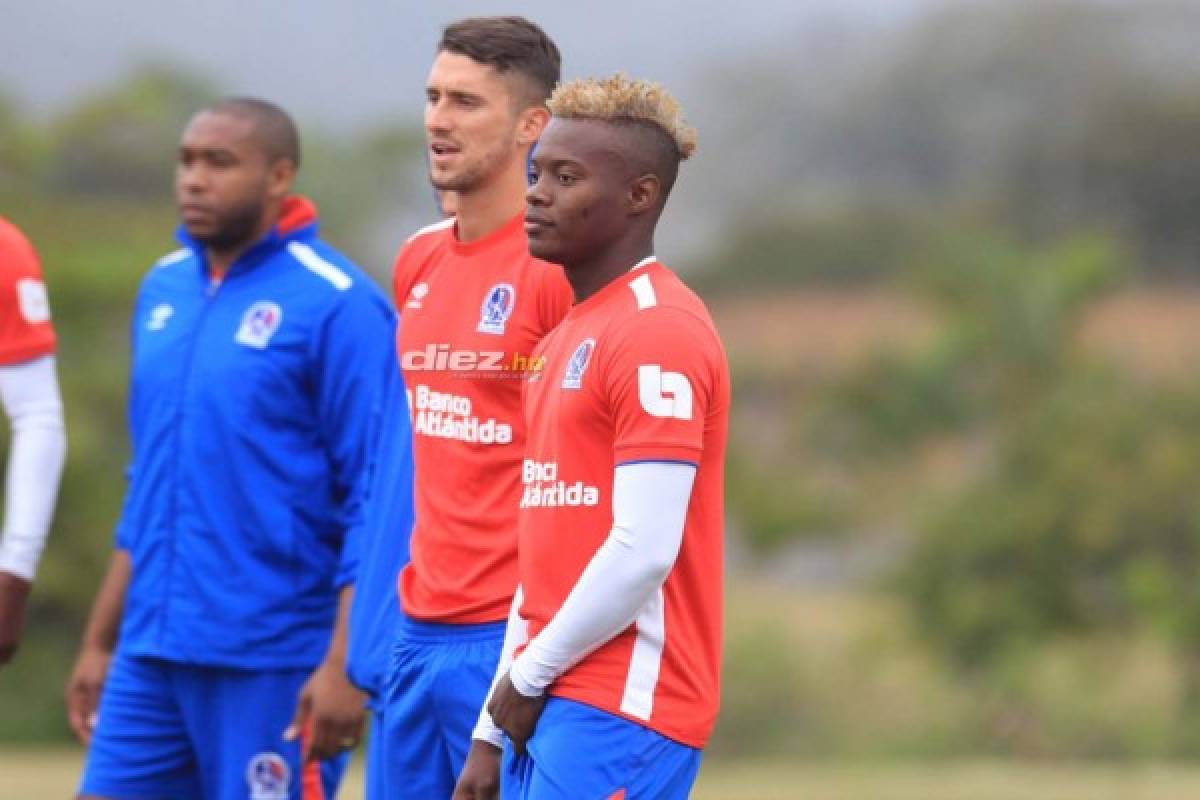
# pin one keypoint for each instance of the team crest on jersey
(573, 377)
(32, 301)
(268, 775)
(497, 308)
(159, 316)
(259, 324)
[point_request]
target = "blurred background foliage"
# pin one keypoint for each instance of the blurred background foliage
(955, 270)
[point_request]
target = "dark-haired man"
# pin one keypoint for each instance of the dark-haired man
(618, 617)
(261, 366)
(473, 304)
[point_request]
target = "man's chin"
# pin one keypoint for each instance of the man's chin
(446, 183)
(212, 239)
(203, 234)
(541, 249)
(463, 180)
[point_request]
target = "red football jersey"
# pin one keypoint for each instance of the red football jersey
(470, 317)
(25, 330)
(636, 372)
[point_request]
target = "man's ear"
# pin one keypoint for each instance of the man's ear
(530, 125)
(644, 194)
(280, 176)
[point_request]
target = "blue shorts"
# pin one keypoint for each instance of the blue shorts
(168, 730)
(439, 679)
(581, 753)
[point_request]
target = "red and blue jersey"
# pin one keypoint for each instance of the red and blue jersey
(471, 314)
(252, 411)
(636, 372)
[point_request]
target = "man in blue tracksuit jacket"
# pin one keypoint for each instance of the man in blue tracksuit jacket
(262, 367)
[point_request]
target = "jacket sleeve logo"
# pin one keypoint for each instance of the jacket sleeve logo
(259, 324)
(497, 308)
(573, 377)
(664, 394)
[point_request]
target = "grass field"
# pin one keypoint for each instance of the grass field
(51, 775)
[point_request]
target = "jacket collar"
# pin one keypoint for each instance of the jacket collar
(297, 220)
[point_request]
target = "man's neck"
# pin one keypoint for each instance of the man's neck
(486, 209)
(587, 278)
(219, 261)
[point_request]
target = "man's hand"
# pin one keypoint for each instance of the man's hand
(83, 690)
(332, 710)
(514, 713)
(480, 777)
(13, 593)
(99, 641)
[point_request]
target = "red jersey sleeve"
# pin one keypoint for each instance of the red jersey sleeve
(410, 260)
(401, 277)
(25, 330)
(662, 380)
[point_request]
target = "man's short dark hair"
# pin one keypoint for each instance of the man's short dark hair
(511, 46)
(273, 127)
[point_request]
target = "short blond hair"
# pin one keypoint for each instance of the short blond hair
(621, 99)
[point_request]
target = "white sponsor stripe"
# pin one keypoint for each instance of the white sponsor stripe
(638, 700)
(437, 226)
(173, 258)
(643, 290)
(309, 258)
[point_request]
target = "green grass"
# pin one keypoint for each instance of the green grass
(944, 781)
(50, 774)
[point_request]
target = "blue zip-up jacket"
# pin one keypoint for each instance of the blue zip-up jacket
(251, 410)
(387, 525)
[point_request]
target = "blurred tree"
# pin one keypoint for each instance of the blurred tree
(358, 184)
(118, 143)
(1086, 519)
(777, 504)
(1037, 116)
(1009, 317)
(1139, 167)
(829, 247)
(22, 150)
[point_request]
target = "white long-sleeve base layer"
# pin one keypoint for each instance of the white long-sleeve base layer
(30, 397)
(649, 504)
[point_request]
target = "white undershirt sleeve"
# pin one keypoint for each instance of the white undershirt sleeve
(650, 502)
(30, 397)
(515, 634)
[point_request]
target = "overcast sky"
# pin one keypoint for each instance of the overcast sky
(345, 64)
